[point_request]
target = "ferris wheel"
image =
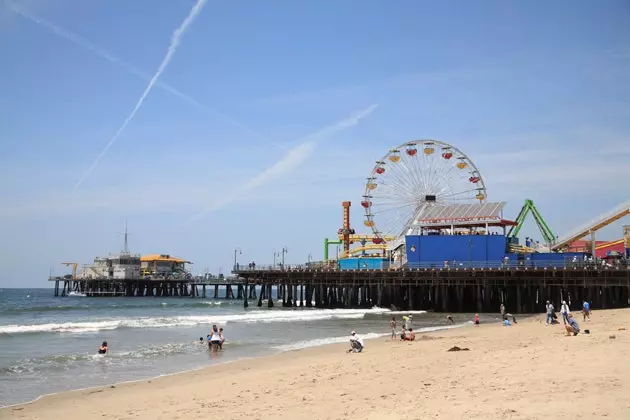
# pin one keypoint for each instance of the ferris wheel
(414, 175)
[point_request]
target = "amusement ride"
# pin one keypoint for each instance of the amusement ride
(403, 183)
(430, 187)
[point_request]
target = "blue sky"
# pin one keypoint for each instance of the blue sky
(537, 94)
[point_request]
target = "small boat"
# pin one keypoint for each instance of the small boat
(76, 294)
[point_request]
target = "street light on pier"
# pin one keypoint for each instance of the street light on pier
(284, 251)
(235, 251)
(275, 255)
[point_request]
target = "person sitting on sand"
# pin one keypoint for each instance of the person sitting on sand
(403, 333)
(356, 343)
(449, 319)
(508, 315)
(572, 327)
(103, 349)
(410, 335)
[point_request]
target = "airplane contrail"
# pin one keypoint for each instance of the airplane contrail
(175, 40)
(82, 42)
(291, 160)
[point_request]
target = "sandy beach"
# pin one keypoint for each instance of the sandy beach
(526, 371)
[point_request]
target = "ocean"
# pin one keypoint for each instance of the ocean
(49, 344)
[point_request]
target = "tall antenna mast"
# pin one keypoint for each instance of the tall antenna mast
(126, 241)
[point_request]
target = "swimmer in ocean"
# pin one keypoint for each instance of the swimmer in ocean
(103, 348)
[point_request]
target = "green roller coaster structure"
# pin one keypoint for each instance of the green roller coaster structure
(545, 230)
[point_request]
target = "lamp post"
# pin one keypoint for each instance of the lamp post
(275, 254)
(284, 251)
(235, 251)
(310, 258)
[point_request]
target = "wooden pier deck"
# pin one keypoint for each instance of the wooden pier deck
(521, 289)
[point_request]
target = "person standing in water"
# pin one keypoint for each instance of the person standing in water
(103, 349)
(392, 325)
(214, 339)
(221, 338)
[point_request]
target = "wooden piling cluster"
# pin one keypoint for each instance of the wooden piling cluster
(522, 290)
(444, 290)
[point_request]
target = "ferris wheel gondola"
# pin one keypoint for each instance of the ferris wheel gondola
(414, 175)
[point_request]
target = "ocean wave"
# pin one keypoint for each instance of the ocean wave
(67, 361)
(333, 340)
(256, 316)
(95, 307)
(299, 345)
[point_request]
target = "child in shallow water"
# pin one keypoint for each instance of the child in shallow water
(103, 349)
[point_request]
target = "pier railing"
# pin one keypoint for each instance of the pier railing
(188, 280)
(621, 264)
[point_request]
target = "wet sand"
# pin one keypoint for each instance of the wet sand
(526, 371)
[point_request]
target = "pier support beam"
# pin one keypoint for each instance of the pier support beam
(269, 296)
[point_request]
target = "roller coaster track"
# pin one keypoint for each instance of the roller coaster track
(607, 244)
(594, 225)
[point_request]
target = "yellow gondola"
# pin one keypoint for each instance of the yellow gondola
(368, 223)
(462, 165)
(371, 186)
(429, 150)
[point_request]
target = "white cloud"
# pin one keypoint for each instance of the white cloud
(175, 41)
(291, 160)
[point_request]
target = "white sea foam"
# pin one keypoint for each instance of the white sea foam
(255, 316)
(324, 341)
(332, 340)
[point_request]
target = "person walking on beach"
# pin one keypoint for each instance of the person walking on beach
(392, 325)
(564, 310)
(586, 310)
(502, 310)
(549, 318)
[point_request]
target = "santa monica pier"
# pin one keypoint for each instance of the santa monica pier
(433, 241)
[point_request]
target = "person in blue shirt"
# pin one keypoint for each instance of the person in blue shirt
(586, 310)
(572, 326)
